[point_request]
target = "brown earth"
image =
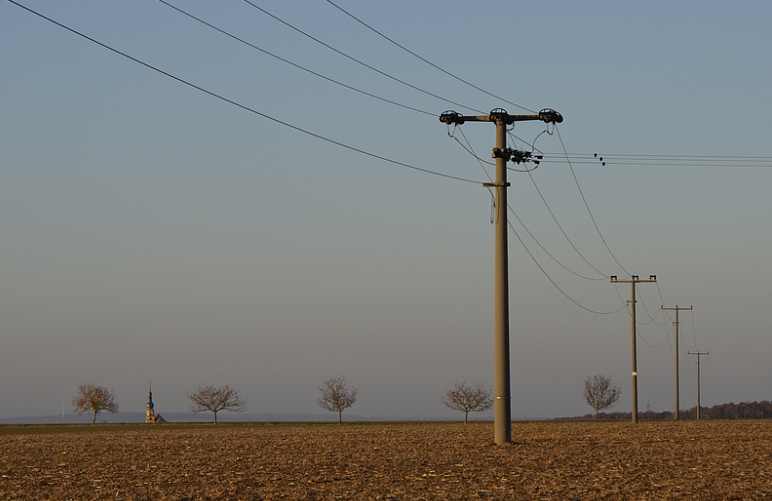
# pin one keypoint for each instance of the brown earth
(399, 461)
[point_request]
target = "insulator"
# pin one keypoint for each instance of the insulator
(451, 117)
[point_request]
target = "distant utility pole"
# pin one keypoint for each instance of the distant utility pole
(698, 353)
(677, 399)
(64, 397)
(634, 280)
(502, 409)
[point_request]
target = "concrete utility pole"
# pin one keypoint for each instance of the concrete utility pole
(502, 409)
(677, 398)
(698, 353)
(634, 280)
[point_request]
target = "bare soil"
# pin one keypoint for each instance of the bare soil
(706, 460)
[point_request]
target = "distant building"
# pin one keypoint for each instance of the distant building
(150, 415)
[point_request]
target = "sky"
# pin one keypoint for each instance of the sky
(153, 231)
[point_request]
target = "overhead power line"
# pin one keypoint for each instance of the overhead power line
(359, 61)
(469, 149)
(295, 65)
(242, 106)
(663, 160)
(597, 228)
(424, 59)
(544, 272)
(560, 227)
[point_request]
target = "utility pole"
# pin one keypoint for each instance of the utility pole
(634, 280)
(698, 353)
(677, 399)
(502, 408)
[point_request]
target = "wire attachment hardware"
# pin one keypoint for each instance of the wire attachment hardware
(451, 117)
(549, 115)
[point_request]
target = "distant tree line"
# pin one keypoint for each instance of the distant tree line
(743, 410)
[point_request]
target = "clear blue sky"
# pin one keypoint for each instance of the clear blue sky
(149, 231)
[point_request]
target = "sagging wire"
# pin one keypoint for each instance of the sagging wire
(659, 291)
(552, 281)
(667, 334)
(287, 61)
(424, 59)
(660, 160)
(585, 201)
(694, 333)
(470, 149)
(683, 348)
(651, 319)
(358, 61)
(640, 336)
(236, 103)
(548, 253)
(603, 276)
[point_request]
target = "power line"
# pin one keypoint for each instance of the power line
(550, 254)
(295, 65)
(469, 149)
(424, 59)
(661, 160)
(541, 268)
(588, 206)
(358, 61)
(555, 219)
(651, 319)
(653, 346)
(242, 106)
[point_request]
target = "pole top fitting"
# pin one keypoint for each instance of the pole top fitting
(498, 114)
(549, 115)
(451, 117)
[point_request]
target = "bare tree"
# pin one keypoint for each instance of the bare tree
(337, 396)
(468, 399)
(95, 399)
(601, 392)
(214, 400)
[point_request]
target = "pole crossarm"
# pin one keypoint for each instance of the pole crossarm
(501, 118)
(676, 414)
(546, 115)
(634, 280)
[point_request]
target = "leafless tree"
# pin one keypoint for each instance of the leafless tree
(95, 399)
(214, 400)
(337, 396)
(468, 399)
(601, 392)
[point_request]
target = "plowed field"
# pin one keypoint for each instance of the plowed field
(402, 461)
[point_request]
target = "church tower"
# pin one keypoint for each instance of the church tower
(150, 412)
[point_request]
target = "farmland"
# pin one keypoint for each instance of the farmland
(399, 461)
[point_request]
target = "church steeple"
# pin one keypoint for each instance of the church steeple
(150, 412)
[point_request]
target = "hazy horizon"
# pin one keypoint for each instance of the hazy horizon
(152, 232)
